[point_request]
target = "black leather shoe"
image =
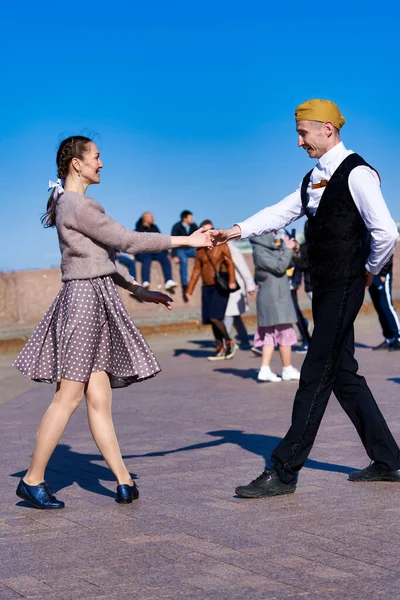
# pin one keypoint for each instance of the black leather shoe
(383, 346)
(38, 495)
(267, 484)
(395, 346)
(375, 472)
(126, 493)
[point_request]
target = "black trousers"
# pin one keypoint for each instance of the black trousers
(301, 322)
(330, 366)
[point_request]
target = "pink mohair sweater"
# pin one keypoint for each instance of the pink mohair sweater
(87, 238)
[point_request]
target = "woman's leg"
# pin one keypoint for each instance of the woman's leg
(98, 400)
(267, 352)
(219, 338)
(66, 399)
(286, 355)
(219, 325)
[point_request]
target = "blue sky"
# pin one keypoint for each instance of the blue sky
(191, 104)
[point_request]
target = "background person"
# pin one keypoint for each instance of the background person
(146, 225)
(213, 301)
(275, 310)
(185, 226)
(380, 291)
(237, 303)
(127, 261)
(87, 343)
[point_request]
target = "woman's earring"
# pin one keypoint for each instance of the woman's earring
(79, 173)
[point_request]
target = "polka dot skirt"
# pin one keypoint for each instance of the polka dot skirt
(87, 329)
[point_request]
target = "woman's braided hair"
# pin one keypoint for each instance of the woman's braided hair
(72, 147)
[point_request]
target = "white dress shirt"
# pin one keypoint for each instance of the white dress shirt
(365, 189)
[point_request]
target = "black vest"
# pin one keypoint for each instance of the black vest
(336, 236)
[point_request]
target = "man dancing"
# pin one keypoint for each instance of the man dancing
(342, 199)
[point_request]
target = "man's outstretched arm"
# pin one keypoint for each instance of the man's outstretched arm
(269, 219)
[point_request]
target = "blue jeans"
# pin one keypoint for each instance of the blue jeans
(128, 262)
(183, 254)
(161, 257)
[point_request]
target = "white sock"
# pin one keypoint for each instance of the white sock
(287, 368)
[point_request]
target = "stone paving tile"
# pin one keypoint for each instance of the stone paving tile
(7, 593)
(188, 536)
(26, 585)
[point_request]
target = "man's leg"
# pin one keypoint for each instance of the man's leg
(146, 259)
(162, 258)
(128, 262)
(183, 255)
(376, 291)
(335, 307)
(357, 401)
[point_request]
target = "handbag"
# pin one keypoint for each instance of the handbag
(222, 280)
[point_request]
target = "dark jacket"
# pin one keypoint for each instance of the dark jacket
(140, 227)
(178, 229)
(152, 229)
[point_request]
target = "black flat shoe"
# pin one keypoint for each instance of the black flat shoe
(126, 493)
(267, 484)
(375, 472)
(38, 495)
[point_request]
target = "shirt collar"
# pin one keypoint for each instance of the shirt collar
(331, 155)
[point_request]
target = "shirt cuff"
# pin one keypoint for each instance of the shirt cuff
(372, 270)
(244, 233)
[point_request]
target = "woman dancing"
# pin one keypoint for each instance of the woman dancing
(86, 342)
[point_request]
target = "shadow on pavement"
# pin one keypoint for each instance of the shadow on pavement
(359, 345)
(193, 353)
(261, 445)
(67, 467)
(243, 373)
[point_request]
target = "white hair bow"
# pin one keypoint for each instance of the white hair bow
(57, 186)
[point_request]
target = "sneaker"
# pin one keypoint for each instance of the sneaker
(395, 346)
(170, 285)
(184, 289)
(303, 349)
(267, 484)
(384, 346)
(146, 284)
(256, 351)
(265, 374)
(290, 374)
(219, 354)
(230, 351)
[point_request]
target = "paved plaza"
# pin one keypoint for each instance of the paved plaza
(190, 436)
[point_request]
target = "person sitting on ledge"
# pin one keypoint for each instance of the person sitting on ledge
(146, 225)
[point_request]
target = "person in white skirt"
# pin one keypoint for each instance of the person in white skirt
(237, 303)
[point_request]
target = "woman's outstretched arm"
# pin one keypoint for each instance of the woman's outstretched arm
(90, 219)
